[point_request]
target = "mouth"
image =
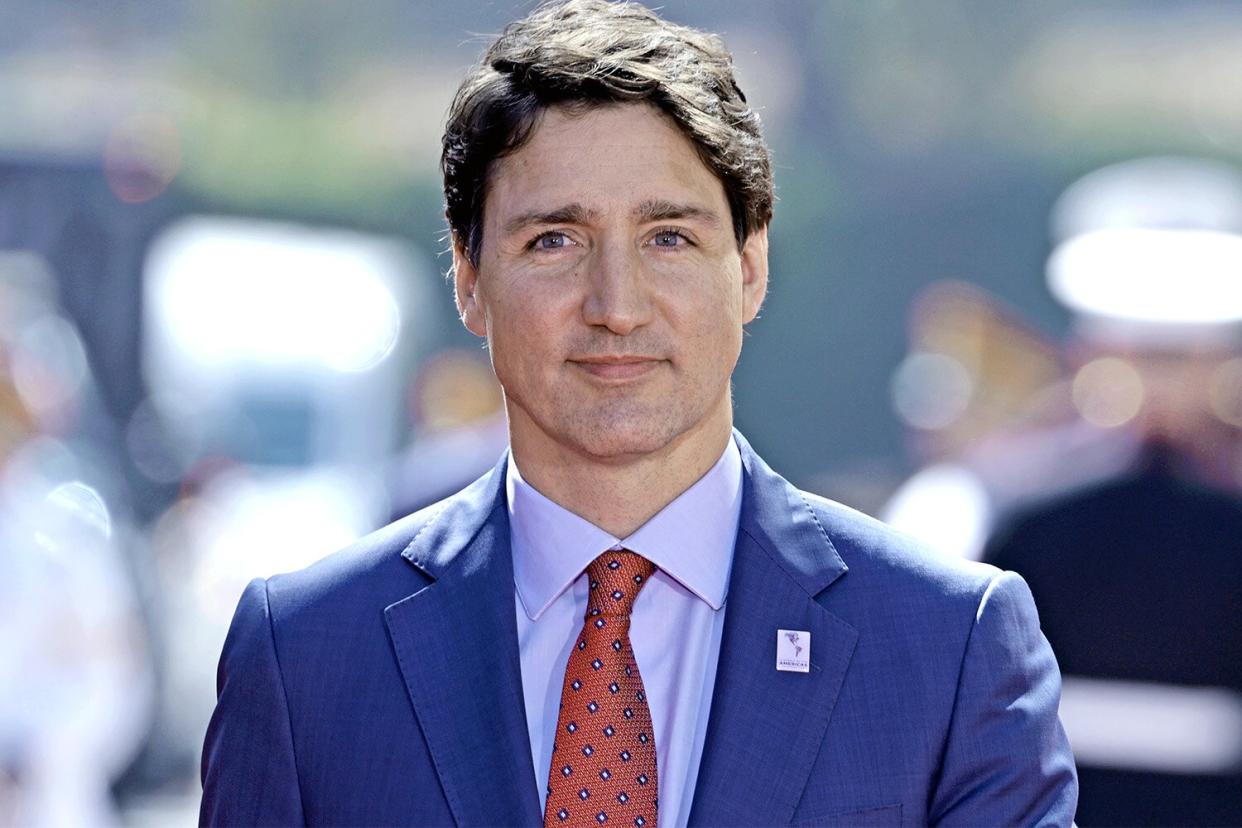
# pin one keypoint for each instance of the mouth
(618, 368)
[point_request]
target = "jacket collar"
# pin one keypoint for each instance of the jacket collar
(457, 648)
(778, 517)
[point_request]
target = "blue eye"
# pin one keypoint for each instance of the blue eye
(668, 238)
(552, 240)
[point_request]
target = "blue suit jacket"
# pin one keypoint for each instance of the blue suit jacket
(382, 685)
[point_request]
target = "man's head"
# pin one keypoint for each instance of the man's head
(610, 230)
(581, 54)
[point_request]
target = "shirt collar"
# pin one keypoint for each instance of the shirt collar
(691, 539)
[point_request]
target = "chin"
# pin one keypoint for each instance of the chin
(615, 430)
(622, 438)
(619, 447)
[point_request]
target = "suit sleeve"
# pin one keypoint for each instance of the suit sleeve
(1006, 761)
(248, 770)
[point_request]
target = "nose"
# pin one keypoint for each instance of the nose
(618, 295)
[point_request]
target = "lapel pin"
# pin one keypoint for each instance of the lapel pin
(793, 651)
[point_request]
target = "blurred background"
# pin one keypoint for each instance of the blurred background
(227, 346)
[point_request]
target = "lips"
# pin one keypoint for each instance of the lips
(617, 368)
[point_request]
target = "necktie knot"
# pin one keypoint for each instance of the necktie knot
(615, 579)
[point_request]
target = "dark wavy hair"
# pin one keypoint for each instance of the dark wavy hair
(586, 53)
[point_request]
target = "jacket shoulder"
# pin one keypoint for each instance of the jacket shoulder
(373, 559)
(378, 569)
(883, 558)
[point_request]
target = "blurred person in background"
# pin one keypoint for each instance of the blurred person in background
(1139, 575)
(609, 193)
(1110, 477)
(75, 673)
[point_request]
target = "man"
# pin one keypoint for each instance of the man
(632, 619)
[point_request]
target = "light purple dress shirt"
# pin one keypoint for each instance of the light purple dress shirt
(677, 621)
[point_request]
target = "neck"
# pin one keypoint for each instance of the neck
(620, 495)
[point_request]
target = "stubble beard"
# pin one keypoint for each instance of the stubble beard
(619, 427)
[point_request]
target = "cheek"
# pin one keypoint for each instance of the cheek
(710, 345)
(713, 312)
(720, 328)
(520, 336)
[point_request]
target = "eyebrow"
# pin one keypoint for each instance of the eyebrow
(648, 211)
(569, 214)
(657, 210)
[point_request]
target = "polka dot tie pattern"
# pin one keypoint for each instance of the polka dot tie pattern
(603, 757)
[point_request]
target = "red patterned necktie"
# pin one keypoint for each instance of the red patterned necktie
(603, 757)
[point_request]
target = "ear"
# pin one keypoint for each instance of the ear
(465, 287)
(754, 273)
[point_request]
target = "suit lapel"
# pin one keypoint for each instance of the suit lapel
(766, 726)
(456, 644)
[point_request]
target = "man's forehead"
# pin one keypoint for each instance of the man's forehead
(622, 158)
(612, 134)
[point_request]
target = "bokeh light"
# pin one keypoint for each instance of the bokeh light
(83, 506)
(48, 365)
(141, 157)
(1108, 392)
(226, 292)
(1225, 391)
(930, 390)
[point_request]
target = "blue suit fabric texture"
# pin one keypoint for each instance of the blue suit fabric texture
(382, 685)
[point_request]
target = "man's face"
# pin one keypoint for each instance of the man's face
(610, 287)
